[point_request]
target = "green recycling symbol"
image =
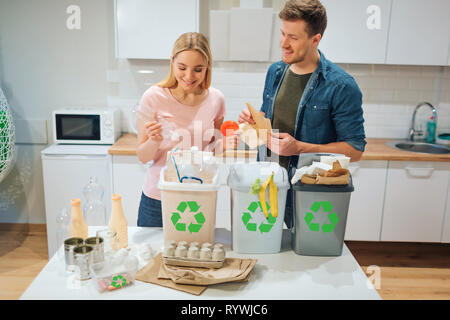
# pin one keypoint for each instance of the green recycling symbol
(327, 207)
(118, 285)
(251, 226)
(193, 208)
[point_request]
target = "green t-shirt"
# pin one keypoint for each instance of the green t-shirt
(286, 105)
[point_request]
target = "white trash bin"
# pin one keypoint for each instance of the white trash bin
(251, 231)
(189, 209)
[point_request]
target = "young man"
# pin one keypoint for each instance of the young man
(314, 104)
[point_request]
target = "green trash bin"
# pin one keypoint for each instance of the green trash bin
(320, 217)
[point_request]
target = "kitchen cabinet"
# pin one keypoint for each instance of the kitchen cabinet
(357, 30)
(419, 32)
(446, 223)
(415, 200)
(66, 171)
(366, 202)
(148, 29)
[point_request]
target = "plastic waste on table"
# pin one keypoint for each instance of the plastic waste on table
(94, 209)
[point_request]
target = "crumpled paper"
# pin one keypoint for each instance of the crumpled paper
(233, 270)
(335, 176)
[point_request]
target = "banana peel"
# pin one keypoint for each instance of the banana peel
(273, 197)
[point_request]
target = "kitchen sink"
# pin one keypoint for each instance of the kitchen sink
(420, 147)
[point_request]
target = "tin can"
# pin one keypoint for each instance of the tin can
(98, 256)
(69, 245)
(83, 260)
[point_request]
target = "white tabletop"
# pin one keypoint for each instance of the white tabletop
(284, 275)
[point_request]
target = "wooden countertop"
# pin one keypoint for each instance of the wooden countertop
(376, 149)
(127, 144)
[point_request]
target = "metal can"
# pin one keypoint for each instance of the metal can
(97, 244)
(69, 245)
(83, 260)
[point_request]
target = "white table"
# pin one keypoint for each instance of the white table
(284, 275)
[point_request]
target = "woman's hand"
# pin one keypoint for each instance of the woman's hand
(154, 130)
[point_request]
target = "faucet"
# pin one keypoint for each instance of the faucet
(412, 131)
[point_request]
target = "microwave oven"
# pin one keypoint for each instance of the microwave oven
(86, 125)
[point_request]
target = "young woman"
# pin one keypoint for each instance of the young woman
(186, 99)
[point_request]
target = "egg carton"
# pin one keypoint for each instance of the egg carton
(195, 254)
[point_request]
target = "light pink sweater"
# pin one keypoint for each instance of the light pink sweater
(194, 124)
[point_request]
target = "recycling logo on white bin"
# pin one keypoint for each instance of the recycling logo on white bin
(252, 226)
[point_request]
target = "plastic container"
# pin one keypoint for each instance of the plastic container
(113, 277)
(189, 209)
(251, 231)
(320, 215)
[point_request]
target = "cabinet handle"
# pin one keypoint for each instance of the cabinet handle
(419, 172)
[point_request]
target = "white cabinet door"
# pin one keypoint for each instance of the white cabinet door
(148, 29)
(419, 32)
(366, 202)
(415, 201)
(64, 177)
(446, 226)
(128, 179)
(357, 30)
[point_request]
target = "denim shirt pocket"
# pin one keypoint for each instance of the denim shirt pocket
(317, 122)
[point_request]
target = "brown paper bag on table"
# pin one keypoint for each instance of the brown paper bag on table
(149, 273)
(233, 270)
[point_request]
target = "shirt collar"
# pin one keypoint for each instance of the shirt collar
(322, 67)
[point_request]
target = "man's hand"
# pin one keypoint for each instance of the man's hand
(283, 144)
(245, 116)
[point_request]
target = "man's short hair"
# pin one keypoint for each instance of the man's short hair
(310, 11)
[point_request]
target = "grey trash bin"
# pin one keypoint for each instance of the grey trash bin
(320, 217)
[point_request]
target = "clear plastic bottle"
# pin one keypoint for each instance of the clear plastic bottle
(94, 209)
(168, 128)
(62, 231)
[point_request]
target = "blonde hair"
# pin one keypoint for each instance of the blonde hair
(190, 41)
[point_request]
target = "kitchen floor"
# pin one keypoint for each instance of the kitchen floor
(407, 270)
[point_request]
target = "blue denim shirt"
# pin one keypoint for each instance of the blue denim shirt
(333, 108)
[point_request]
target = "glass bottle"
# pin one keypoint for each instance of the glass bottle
(94, 210)
(118, 222)
(78, 227)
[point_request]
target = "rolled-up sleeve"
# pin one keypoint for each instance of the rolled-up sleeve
(347, 115)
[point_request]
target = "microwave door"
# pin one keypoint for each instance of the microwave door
(77, 127)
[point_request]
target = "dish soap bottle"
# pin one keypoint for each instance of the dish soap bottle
(431, 130)
(118, 222)
(78, 227)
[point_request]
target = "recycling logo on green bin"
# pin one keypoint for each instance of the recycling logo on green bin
(332, 217)
(251, 226)
(193, 208)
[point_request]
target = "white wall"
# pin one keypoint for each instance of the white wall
(44, 66)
